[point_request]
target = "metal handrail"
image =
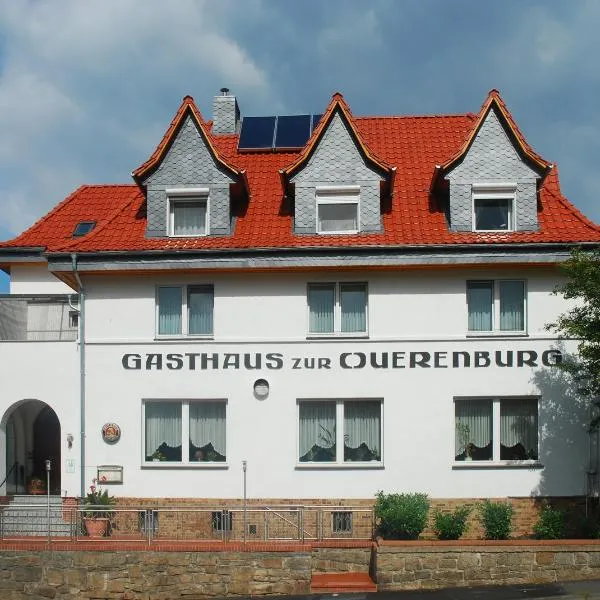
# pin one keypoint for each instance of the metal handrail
(15, 464)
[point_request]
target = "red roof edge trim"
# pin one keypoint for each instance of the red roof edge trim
(336, 105)
(188, 106)
(494, 100)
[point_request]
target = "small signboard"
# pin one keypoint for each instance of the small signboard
(108, 474)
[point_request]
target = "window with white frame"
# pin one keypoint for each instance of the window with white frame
(493, 208)
(185, 310)
(185, 431)
(188, 212)
(338, 210)
(496, 429)
(337, 308)
(496, 305)
(339, 431)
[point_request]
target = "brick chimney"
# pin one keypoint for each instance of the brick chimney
(226, 113)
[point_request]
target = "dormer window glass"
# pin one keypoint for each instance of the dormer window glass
(338, 209)
(493, 209)
(188, 213)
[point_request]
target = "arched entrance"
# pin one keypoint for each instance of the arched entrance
(31, 432)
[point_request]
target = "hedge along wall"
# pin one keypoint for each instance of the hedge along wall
(421, 565)
(159, 575)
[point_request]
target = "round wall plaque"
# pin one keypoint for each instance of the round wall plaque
(111, 433)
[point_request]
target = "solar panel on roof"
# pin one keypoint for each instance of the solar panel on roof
(257, 132)
(292, 131)
(315, 121)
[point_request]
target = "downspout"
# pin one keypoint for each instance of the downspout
(82, 487)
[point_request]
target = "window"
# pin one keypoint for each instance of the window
(200, 422)
(496, 305)
(339, 431)
(222, 520)
(196, 302)
(83, 228)
(188, 214)
(337, 308)
(496, 429)
(341, 521)
(493, 209)
(337, 210)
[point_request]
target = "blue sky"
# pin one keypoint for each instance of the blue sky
(88, 88)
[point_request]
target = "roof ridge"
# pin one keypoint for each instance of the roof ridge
(117, 211)
(432, 116)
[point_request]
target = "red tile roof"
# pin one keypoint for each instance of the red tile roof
(414, 145)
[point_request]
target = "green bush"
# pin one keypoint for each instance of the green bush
(550, 524)
(496, 519)
(451, 526)
(401, 516)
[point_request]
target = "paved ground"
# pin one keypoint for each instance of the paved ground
(581, 590)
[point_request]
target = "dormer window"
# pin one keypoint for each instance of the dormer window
(338, 209)
(493, 208)
(188, 212)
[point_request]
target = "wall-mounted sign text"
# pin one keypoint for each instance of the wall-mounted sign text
(459, 359)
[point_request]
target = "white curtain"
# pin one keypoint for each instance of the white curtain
(317, 425)
(338, 217)
(362, 423)
(480, 301)
(163, 424)
(477, 416)
(321, 301)
(353, 299)
(189, 218)
(207, 425)
(169, 310)
(519, 424)
(200, 310)
(512, 306)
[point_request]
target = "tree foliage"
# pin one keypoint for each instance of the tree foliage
(582, 321)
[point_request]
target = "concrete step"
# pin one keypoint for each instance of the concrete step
(35, 499)
(337, 583)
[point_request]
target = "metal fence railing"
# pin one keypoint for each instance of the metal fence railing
(210, 524)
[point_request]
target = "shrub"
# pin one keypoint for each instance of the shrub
(401, 516)
(451, 526)
(496, 519)
(550, 524)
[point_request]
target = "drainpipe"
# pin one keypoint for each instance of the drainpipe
(82, 487)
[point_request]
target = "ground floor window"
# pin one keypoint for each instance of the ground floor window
(496, 429)
(339, 431)
(185, 431)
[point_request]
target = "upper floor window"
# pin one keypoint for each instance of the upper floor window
(185, 310)
(496, 305)
(493, 208)
(188, 212)
(338, 209)
(337, 308)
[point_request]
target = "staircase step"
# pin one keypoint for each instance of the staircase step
(335, 583)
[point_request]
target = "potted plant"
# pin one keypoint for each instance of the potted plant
(96, 514)
(36, 486)
(157, 455)
(463, 433)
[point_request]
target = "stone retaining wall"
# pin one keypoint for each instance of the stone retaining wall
(400, 566)
(155, 575)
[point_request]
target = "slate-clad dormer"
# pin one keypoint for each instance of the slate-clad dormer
(187, 185)
(493, 180)
(336, 181)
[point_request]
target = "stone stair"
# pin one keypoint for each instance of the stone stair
(339, 583)
(27, 516)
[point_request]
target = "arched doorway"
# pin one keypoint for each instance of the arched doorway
(31, 432)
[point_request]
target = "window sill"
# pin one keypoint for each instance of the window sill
(341, 466)
(497, 334)
(164, 464)
(338, 336)
(503, 464)
(183, 337)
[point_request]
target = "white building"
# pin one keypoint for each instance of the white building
(348, 304)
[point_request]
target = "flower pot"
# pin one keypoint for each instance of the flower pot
(36, 487)
(96, 527)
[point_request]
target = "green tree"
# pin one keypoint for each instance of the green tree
(582, 322)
